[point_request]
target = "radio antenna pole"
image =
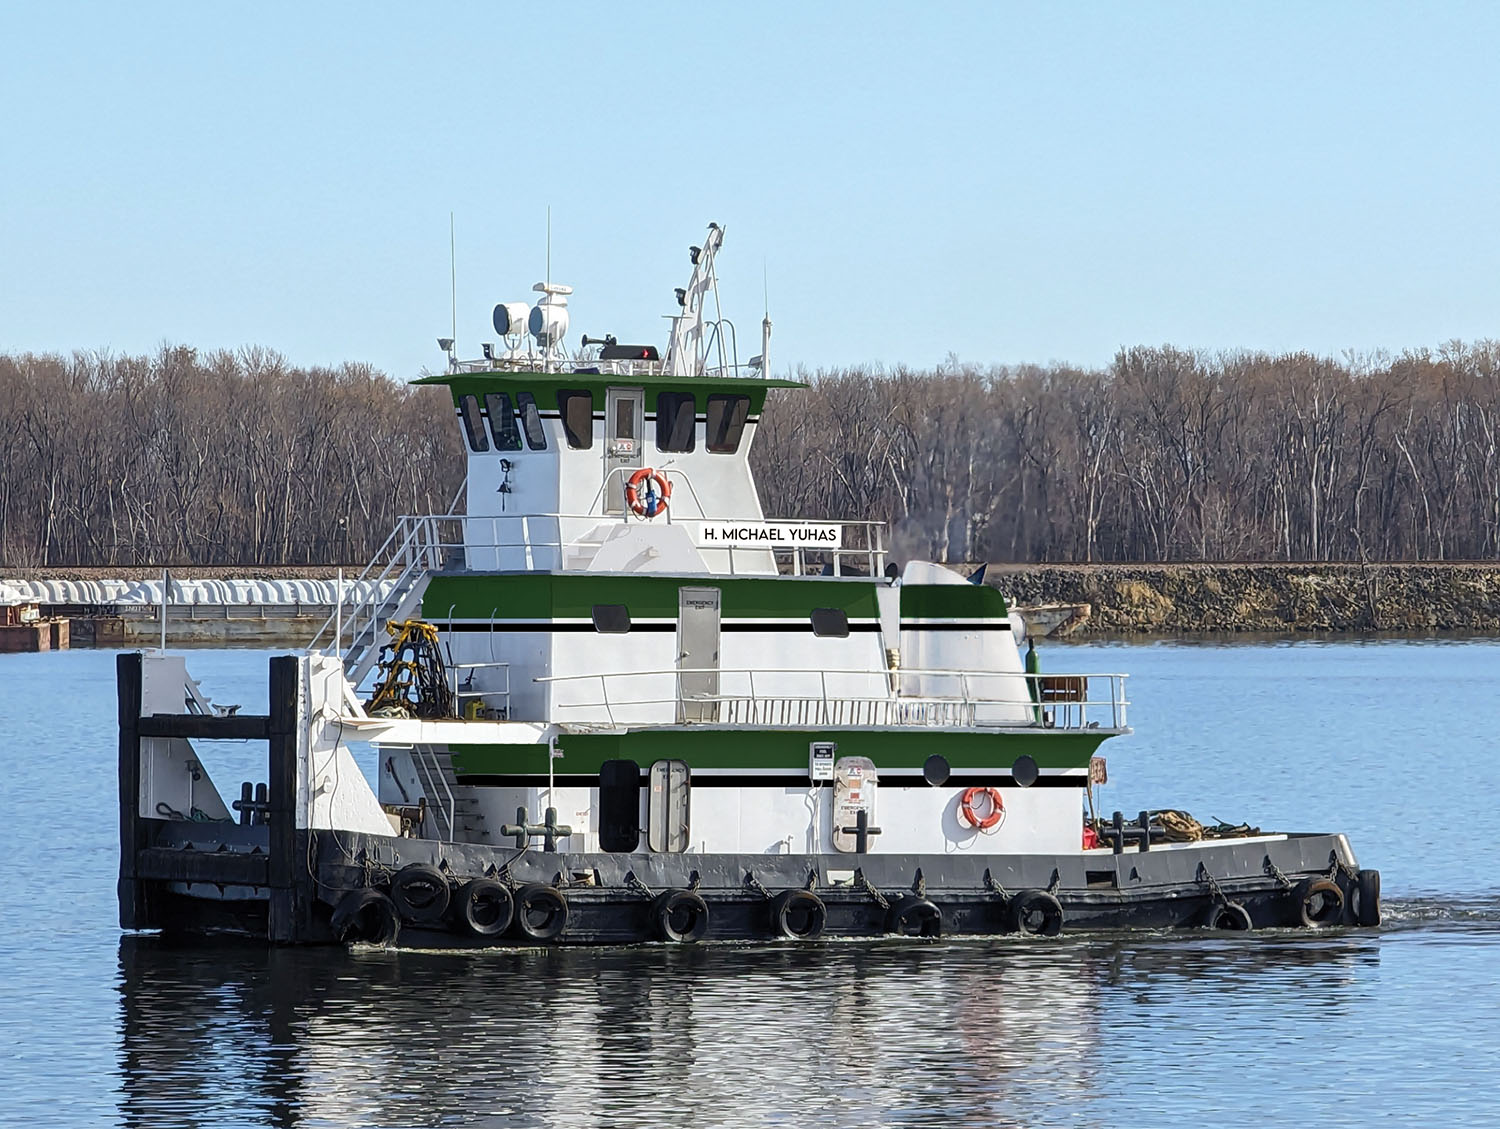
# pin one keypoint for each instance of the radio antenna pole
(453, 275)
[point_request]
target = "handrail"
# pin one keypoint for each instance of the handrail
(1051, 701)
(429, 536)
(573, 365)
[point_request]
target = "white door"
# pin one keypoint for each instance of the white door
(624, 440)
(697, 654)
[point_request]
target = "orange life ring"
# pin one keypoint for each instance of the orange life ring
(651, 501)
(988, 822)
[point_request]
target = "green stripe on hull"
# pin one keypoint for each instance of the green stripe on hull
(951, 601)
(545, 386)
(573, 596)
(781, 749)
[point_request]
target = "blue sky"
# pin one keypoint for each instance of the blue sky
(1006, 182)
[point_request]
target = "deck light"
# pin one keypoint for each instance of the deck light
(693, 253)
(681, 297)
(489, 351)
(445, 344)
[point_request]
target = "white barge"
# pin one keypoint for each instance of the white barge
(611, 700)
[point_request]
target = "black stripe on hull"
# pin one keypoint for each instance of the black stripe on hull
(724, 625)
(772, 780)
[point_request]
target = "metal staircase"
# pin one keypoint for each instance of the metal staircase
(453, 811)
(390, 588)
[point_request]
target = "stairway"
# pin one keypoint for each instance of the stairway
(453, 811)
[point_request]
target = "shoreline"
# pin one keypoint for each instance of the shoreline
(1179, 600)
(1297, 599)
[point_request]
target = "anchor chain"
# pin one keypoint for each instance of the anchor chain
(919, 884)
(754, 883)
(634, 883)
(1205, 878)
(1275, 872)
(1337, 865)
(863, 883)
(694, 881)
(994, 887)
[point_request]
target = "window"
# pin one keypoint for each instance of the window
(624, 418)
(674, 421)
(577, 409)
(726, 422)
(531, 420)
(468, 410)
(611, 619)
(502, 421)
(830, 623)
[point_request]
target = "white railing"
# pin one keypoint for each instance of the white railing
(464, 691)
(540, 541)
(948, 699)
(626, 368)
(413, 547)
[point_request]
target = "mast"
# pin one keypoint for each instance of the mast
(683, 351)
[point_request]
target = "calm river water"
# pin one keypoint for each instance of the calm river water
(1393, 742)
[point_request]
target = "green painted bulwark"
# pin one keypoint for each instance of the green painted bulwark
(951, 601)
(545, 386)
(780, 749)
(573, 596)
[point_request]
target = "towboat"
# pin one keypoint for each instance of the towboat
(611, 700)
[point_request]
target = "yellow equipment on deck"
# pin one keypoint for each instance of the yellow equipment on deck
(412, 679)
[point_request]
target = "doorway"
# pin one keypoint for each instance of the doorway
(697, 654)
(624, 427)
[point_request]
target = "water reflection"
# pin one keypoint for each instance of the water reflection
(847, 1034)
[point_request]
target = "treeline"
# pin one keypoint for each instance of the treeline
(241, 458)
(220, 458)
(1164, 455)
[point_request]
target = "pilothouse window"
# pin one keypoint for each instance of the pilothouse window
(577, 410)
(726, 423)
(468, 410)
(531, 420)
(503, 427)
(674, 421)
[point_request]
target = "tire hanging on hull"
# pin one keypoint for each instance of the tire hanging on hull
(1229, 917)
(420, 892)
(798, 915)
(485, 907)
(1364, 900)
(680, 916)
(914, 916)
(366, 915)
(1320, 903)
(541, 912)
(1036, 913)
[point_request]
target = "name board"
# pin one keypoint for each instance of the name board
(765, 535)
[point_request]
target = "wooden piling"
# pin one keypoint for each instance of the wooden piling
(287, 907)
(135, 909)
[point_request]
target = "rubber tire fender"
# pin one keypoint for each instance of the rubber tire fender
(1229, 917)
(421, 892)
(1365, 900)
(1329, 912)
(671, 903)
(549, 901)
(910, 910)
(485, 907)
(791, 906)
(1035, 913)
(366, 915)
